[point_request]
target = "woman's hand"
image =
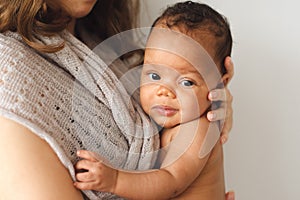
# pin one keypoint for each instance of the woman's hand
(230, 195)
(226, 99)
(96, 176)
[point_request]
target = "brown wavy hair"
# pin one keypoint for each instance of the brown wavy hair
(41, 17)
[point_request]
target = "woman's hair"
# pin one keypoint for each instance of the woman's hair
(43, 17)
(203, 24)
(30, 18)
(110, 17)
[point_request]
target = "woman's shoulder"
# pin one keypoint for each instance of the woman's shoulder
(13, 47)
(11, 44)
(20, 63)
(15, 54)
(48, 178)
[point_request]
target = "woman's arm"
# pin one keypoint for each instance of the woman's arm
(30, 170)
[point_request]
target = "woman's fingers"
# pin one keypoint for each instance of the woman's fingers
(216, 115)
(225, 110)
(227, 125)
(217, 95)
(224, 96)
(224, 113)
(230, 195)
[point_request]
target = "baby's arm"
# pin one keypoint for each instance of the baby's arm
(164, 183)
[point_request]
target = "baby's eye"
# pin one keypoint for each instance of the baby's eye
(154, 76)
(187, 83)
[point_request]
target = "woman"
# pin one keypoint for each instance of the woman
(54, 101)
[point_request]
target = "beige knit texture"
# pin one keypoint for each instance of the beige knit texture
(74, 101)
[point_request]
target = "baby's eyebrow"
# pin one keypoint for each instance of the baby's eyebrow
(195, 72)
(192, 70)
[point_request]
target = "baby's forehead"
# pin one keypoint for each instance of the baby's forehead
(202, 36)
(194, 43)
(173, 59)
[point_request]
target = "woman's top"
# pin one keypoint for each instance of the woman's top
(72, 100)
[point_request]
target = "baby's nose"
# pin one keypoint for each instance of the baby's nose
(166, 92)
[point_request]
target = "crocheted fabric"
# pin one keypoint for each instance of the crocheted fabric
(73, 101)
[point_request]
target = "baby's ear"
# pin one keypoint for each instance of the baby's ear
(225, 79)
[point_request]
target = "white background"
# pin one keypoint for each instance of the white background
(262, 160)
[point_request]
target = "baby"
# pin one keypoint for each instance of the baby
(173, 93)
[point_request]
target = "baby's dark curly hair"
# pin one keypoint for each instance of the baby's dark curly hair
(203, 24)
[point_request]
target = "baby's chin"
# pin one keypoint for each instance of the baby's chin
(169, 125)
(171, 122)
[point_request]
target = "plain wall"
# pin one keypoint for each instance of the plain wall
(262, 155)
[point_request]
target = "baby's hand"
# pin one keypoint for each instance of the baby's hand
(96, 175)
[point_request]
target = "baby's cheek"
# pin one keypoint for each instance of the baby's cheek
(146, 108)
(194, 105)
(145, 103)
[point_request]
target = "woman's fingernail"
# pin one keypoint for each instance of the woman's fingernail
(223, 140)
(211, 116)
(231, 195)
(78, 152)
(231, 198)
(213, 95)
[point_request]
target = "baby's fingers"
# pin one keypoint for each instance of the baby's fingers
(88, 155)
(85, 177)
(83, 165)
(84, 185)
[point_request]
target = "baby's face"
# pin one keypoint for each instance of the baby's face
(172, 90)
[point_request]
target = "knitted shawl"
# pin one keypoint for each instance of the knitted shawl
(73, 101)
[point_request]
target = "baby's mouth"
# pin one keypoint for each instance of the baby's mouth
(165, 110)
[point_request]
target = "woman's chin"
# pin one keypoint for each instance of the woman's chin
(80, 13)
(82, 10)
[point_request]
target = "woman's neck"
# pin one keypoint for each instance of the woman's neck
(71, 26)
